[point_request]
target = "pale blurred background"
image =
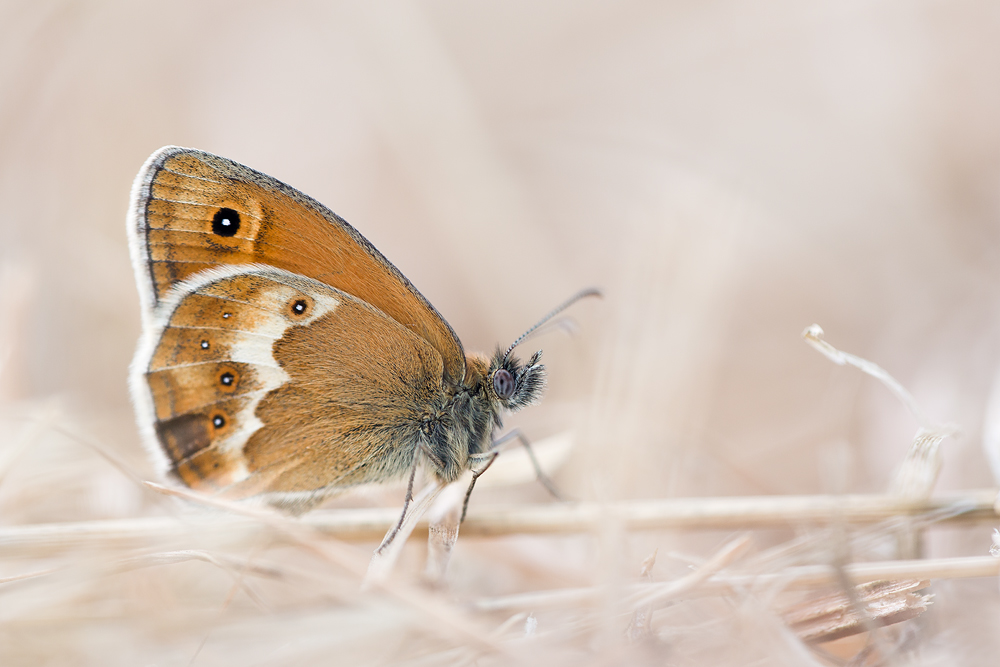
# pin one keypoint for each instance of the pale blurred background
(728, 173)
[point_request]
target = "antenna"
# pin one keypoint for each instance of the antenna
(582, 294)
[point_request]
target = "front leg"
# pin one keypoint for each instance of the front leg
(493, 452)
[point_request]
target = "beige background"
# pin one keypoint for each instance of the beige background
(727, 172)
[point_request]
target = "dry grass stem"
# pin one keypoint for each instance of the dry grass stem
(392, 544)
(552, 518)
(435, 614)
(442, 530)
(833, 616)
(792, 578)
(813, 335)
(732, 513)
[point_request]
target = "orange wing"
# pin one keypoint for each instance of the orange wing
(254, 380)
(192, 210)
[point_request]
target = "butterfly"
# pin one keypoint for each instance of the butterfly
(283, 358)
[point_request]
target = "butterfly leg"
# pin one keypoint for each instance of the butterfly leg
(475, 475)
(431, 456)
(434, 459)
(501, 443)
(406, 505)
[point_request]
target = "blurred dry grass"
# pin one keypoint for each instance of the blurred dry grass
(728, 172)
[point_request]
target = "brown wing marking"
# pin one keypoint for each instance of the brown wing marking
(360, 386)
(213, 362)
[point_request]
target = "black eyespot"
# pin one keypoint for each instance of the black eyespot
(299, 307)
(226, 316)
(218, 421)
(227, 379)
(226, 222)
(204, 344)
(503, 383)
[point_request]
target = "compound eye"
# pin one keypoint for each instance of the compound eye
(503, 383)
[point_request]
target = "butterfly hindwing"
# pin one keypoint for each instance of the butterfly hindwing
(253, 379)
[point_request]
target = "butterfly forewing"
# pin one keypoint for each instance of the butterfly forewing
(192, 211)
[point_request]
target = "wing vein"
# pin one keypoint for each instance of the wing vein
(241, 331)
(191, 176)
(195, 408)
(217, 361)
(193, 203)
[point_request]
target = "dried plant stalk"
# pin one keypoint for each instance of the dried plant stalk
(813, 576)
(442, 531)
(555, 518)
(836, 615)
(735, 513)
(916, 476)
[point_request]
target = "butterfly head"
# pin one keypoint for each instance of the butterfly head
(516, 385)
